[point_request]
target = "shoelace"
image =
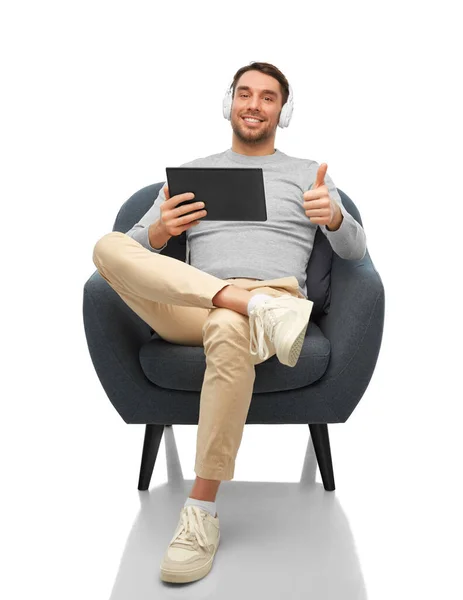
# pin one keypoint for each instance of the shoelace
(192, 531)
(259, 327)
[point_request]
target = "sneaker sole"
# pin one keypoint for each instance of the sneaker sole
(189, 576)
(291, 348)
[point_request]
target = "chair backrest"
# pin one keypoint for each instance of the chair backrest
(318, 268)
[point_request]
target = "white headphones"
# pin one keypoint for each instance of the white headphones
(286, 111)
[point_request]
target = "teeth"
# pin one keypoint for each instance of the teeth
(252, 120)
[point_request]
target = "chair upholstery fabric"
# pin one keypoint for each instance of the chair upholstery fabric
(177, 367)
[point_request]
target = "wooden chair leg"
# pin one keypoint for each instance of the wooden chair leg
(153, 436)
(321, 444)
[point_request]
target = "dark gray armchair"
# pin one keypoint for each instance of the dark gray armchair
(157, 383)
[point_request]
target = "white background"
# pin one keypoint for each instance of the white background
(97, 99)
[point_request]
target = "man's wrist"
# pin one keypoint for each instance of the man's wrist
(335, 224)
(158, 238)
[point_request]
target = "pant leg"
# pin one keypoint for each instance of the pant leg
(175, 299)
(229, 381)
(171, 296)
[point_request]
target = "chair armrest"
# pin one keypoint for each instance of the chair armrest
(115, 335)
(354, 327)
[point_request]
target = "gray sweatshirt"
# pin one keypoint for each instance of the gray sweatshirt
(278, 247)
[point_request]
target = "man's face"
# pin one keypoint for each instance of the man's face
(263, 100)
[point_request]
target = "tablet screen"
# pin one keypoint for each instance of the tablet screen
(229, 194)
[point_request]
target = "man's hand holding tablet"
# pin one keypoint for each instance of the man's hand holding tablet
(175, 221)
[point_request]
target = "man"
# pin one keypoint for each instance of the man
(263, 309)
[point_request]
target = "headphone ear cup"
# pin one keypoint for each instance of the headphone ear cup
(287, 110)
(227, 103)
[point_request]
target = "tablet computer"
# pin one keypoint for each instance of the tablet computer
(229, 194)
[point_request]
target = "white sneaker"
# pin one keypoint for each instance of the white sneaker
(191, 551)
(284, 319)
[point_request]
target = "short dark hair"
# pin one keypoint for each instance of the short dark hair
(268, 69)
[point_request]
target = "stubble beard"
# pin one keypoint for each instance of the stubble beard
(248, 136)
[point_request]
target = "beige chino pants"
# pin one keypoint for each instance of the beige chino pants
(175, 299)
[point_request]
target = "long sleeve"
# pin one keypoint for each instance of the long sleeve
(139, 231)
(349, 241)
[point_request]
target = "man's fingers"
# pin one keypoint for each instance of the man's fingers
(166, 192)
(320, 180)
(310, 204)
(317, 212)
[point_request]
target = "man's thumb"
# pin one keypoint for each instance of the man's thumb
(320, 180)
(166, 192)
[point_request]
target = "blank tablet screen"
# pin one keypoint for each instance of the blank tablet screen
(230, 194)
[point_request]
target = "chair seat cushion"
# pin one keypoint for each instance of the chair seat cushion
(177, 367)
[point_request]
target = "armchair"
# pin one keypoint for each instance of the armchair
(153, 382)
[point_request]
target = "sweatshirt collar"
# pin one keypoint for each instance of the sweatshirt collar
(249, 160)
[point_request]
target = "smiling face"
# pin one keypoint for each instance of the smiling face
(256, 95)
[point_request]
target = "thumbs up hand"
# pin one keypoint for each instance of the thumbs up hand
(318, 204)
